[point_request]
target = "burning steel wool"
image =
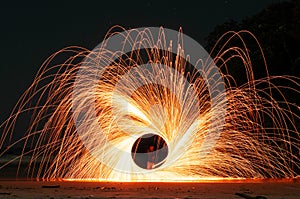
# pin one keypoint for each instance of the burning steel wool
(149, 104)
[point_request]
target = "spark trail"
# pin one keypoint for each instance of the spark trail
(88, 133)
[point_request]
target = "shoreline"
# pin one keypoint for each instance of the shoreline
(277, 189)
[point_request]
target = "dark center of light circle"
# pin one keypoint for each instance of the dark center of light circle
(149, 151)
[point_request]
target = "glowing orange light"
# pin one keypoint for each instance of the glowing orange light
(244, 149)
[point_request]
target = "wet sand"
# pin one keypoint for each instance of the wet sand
(271, 189)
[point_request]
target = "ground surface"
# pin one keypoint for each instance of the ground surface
(266, 189)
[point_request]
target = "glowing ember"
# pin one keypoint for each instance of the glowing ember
(156, 109)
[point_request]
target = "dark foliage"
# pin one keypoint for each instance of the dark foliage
(277, 29)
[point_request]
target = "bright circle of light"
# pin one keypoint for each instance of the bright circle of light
(125, 42)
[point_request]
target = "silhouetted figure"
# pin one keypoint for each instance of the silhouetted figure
(151, 158)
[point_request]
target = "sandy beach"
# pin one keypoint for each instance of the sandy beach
(258, 189)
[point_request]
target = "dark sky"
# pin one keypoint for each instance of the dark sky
(31, 32)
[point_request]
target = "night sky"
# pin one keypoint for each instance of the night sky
(31, 32)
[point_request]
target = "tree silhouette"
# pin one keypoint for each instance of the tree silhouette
(277, 29)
